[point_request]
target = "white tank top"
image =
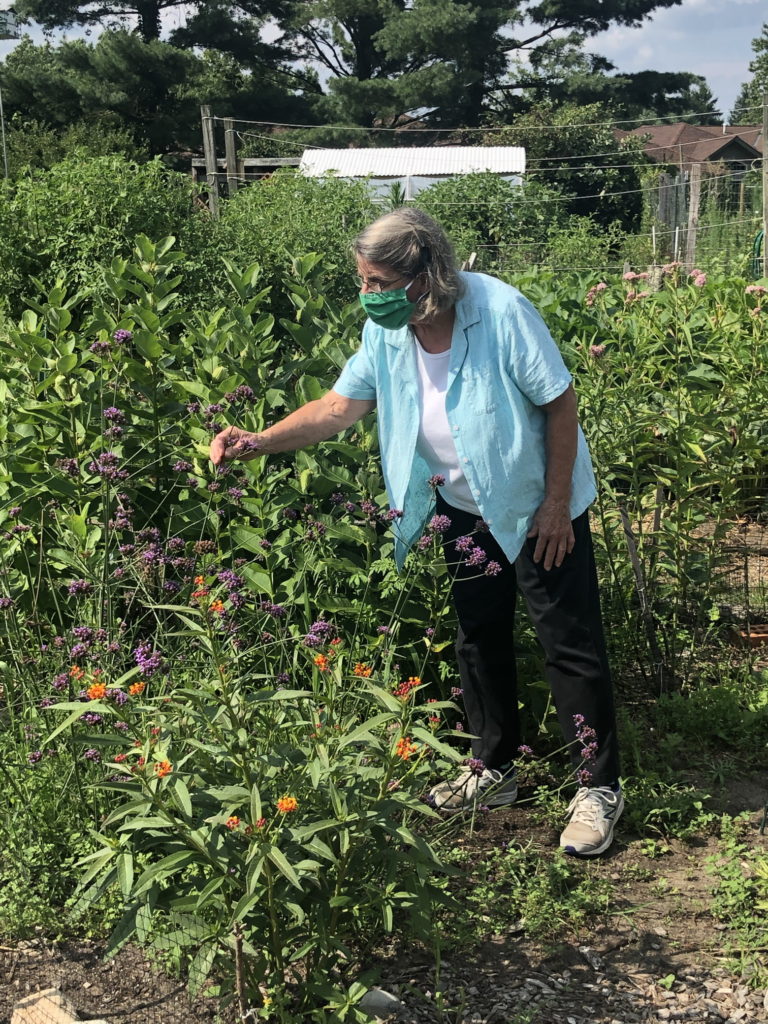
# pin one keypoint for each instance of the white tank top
(435, 443)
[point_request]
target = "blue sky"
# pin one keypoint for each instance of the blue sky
(709, 37)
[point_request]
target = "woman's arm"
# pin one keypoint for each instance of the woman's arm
(313, 422)
(552, 521)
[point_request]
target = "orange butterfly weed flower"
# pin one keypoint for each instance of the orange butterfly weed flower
(217, 606)
(286, 804)
(403, 691)
(322, 662)
(163, 768)
(96, 692)
(136, 689)
(405, 748)
(76, 672)
(199, 580)
(232, 822)
(362, 670)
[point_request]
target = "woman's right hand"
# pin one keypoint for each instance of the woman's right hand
(233, 443)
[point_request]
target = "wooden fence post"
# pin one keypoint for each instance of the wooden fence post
(230, 153)
(211, 166)
(765, 184)
(694, 199)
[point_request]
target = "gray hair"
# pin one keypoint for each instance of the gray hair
(412, 243)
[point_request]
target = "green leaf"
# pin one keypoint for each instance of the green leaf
(279, 860)
(124, 866)
(255, 803)
(164, 868)
(200, 967)
(363, 732)
(181, 797)
(66, 363)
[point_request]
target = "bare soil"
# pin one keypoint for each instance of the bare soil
(609, 973)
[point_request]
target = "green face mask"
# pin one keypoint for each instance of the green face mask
(391, 310)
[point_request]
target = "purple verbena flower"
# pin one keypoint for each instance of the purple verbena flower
(114, 415)
(91, 718)
(182, 466)
(6, 603)
(149, 660)
(464, 544)
(78, 587)
(438, 480)
(439, 523)
(35, 756)
(92, 754)
(492, 569)
(476, 557)
(106, 465)
(70, 466)
(121, 336)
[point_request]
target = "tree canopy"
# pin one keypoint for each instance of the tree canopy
(746, 109)
(444, 62)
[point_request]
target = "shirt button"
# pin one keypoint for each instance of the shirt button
(476, 493)
(455, 428)
(466, 460)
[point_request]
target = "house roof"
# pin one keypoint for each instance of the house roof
(692, 143)
(425, 161)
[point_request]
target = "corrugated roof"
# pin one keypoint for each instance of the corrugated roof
(425, 161)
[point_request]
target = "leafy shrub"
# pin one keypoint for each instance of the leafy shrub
(76, 217)
(268, 222)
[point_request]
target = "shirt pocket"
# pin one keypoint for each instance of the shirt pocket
(481, 389)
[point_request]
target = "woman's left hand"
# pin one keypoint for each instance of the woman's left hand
(553, 531)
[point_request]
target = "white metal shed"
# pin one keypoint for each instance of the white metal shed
(414, 168)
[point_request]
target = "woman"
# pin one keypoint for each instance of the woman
(472, 392)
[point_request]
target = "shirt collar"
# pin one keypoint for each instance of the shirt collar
(467, 314)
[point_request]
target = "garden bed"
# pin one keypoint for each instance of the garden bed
(659, 954)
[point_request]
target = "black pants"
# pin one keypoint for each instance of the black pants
(564, 606)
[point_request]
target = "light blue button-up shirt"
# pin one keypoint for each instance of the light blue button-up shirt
(504, 365)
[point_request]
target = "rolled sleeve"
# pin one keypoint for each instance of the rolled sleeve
(358, 378)
(537, 365)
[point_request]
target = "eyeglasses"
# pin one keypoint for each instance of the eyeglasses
(376, 284)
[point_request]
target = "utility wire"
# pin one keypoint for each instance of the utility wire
(529, 167)
(511, 201)
(484, 128)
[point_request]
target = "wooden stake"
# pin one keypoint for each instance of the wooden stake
(230, 152)
(211, 167)
(765, 184)
(693, 215)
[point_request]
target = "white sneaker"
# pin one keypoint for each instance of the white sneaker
(473, 787)
(593, 814)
